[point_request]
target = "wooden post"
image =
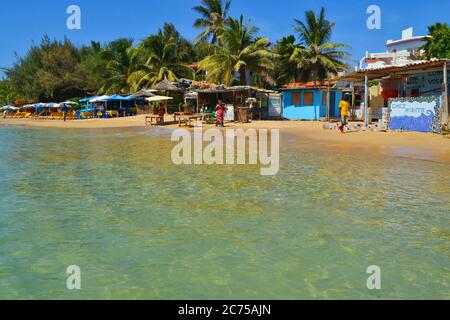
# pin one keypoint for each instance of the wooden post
(353, 100)
(366, 100)
(328, 103)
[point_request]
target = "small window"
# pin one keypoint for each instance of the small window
(296, 98)
(308, 98)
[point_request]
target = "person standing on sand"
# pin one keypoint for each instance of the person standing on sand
(344, 107)
(220, 108)
(161, 112)
(64, 111)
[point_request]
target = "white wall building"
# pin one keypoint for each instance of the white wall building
(399, 52)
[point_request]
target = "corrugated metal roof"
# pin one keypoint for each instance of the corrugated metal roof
(310, 84)
(403, 69)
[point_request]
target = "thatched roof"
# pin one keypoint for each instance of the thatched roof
(165, 85)
(144, 93)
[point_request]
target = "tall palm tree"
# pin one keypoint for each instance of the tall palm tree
(213, 19)
(119, 67)
(285, 69)
(161, 56)
(241, 52)
(318, 58)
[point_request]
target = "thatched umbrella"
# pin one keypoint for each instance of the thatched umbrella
(165, 85)
(144, 93)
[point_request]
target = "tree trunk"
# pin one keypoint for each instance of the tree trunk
(243, 76)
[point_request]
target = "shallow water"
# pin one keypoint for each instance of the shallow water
(139, 227)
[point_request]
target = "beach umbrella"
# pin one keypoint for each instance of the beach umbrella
(69, 103)
(28, 106)
(165, 85)
(144, 93)
(51, 105)
(9, 108)
(98, 99)
(159, 98)
(87, 99)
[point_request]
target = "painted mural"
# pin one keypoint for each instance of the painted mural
(420, 114)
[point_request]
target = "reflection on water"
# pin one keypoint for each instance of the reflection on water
(112, 202)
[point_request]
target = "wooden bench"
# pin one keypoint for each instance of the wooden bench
(157, 120)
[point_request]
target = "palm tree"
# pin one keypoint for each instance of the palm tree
(241, 52)
(285, 69)
(161, 56)
(118, 68)
(213, 19)
(318, 58)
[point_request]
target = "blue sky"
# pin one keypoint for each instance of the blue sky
(25, 21)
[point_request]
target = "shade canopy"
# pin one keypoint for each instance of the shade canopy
(159, 98)
(191, 95)
(28, 106)
(41, 105)
(144, 93)
(98, 99)
(50, 105)
(9, 108)
(117, 97)
(69, 103)
(87, 99)
(165, 85)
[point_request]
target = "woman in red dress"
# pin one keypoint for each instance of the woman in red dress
(220, 108)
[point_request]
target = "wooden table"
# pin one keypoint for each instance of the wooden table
(149, 120)
(180, 114)
(187, 119)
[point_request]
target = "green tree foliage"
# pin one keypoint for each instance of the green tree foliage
(161, 56)
(286, 69)
(119, 67)
(439, 45)
(7, 93)
(48, 71)
(227, 51)
(214, 15)
(241, 52)
(317, 58)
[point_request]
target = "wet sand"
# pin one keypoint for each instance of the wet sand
(426, 146)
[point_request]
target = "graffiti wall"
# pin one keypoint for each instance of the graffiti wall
(420, 114)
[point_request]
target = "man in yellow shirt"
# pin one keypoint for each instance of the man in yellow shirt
(344, 107)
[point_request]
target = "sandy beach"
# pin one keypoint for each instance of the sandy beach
(426, 146)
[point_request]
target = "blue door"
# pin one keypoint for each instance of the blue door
(333, 105)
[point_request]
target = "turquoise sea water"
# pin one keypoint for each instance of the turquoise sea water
(139, 227)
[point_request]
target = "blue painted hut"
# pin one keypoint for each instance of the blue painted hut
(307, 101)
